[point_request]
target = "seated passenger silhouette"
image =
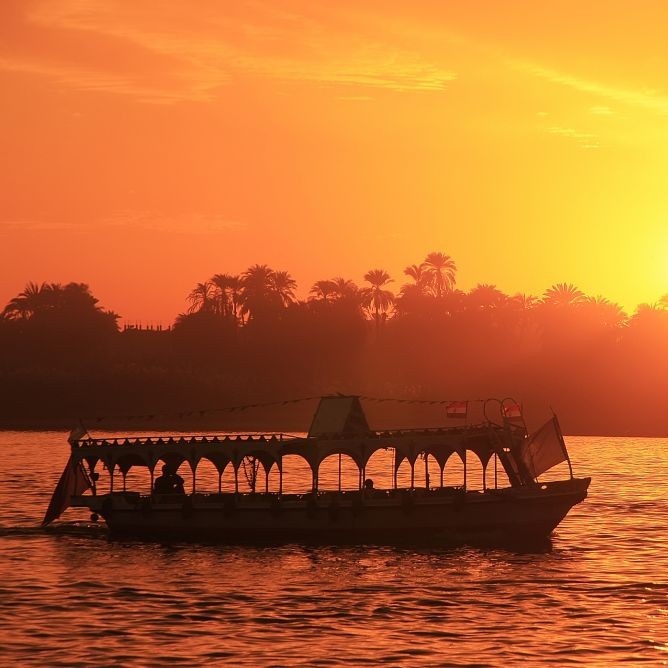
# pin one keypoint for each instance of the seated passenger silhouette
(170, 482)
(368, 488)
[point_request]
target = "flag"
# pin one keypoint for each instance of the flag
(73, 482)
(457, 409)
(512, 412)
(543, 449)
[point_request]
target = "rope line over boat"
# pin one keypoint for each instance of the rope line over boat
(202, 412)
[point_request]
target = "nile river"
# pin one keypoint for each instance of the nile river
(597, 596)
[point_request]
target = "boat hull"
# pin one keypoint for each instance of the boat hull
(438, 516)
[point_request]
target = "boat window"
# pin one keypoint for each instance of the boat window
(328, 474)
(297, 478)
(453, 474)
(502, 480)
(474, 472)
(207, 477)
(379, 468)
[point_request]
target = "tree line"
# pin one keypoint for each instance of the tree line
(248, 337)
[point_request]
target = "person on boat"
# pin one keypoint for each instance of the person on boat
(170, 482)
(368, 488)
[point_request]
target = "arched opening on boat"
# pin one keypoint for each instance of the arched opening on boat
(227, 485)
(297, 475)
(495, 474)
(379, 468)
(259, 464)
(207, 477)
(135, 474)
(186, 472)
(405, 474)
(453, 471)
(274, 480)
(475, 472)
(338, 471)
(210, 473)
(427, 471)
(432, 472)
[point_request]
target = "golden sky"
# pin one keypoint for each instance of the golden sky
(147, 145)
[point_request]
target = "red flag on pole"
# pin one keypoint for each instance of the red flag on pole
(512, 412)
(457, 409)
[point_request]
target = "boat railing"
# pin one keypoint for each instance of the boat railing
(124, 441)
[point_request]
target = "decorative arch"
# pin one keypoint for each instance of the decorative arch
(453, 470)
(380, 468)
(338, 471)
(297, 475)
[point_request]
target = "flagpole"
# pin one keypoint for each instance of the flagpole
(557, 426)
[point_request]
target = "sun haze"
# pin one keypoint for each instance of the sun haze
(147, 146)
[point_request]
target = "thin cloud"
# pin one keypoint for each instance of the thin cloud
(652, 100)
(192, 61)
(584, 139)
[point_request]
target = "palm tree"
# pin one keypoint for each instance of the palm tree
(376, 299)
(33, 299)
(201, 297)
(485, 296)
(322, 290)
(563, 294)
(664, 301)
(524, 302)
(284, 287)
(344, 288)
(227, 294)
(441, 269)
(419, 274)
(257, 290)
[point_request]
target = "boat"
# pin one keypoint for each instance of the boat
(525, 510)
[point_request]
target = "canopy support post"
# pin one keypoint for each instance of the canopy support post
(465, 471)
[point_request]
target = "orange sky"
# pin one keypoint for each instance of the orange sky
(148, 145)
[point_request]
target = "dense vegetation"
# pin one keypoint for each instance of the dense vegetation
(247, 338)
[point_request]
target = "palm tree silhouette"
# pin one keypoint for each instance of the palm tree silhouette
(34, 298)
(227, 296)
(322, 290)
(524, 302)
(485, 296)
(604, 311)
(563, 294)
(376, 299)
(256, 293)
(345, 288)
(201, 298)
(441, 269)
(284, 287)
(664, 301)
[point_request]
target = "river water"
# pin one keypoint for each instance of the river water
(598, 595)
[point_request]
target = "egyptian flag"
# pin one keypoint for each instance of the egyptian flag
(457, 409)
(73, 482)
(513, 413)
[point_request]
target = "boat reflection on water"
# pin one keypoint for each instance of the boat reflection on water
(523, 513)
